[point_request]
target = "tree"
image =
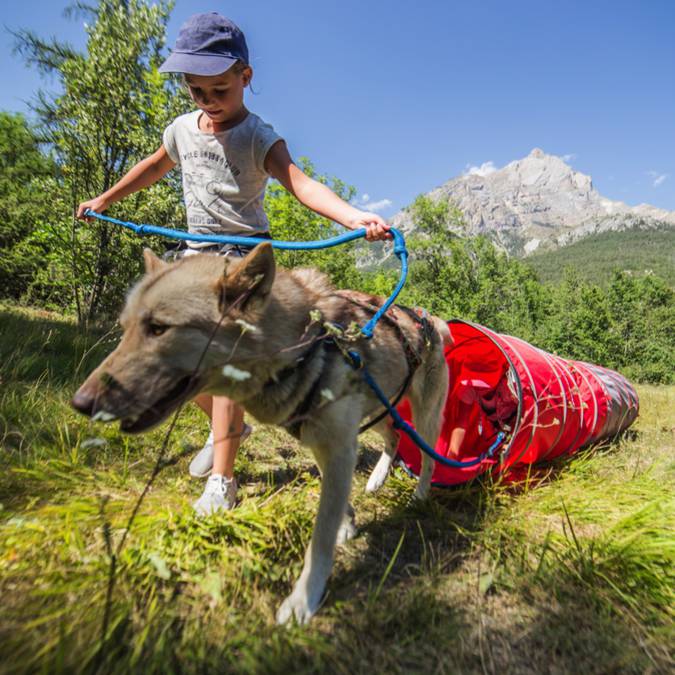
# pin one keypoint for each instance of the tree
(455, 275)
(508, 296)
(23, 169)
(291, 221)
(441, 277)
(643, 315)
(110, 112)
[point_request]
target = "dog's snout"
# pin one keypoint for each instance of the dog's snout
(83, 402)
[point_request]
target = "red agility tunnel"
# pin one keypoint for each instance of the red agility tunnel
(545, 405)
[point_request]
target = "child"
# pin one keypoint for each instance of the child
(226, 154)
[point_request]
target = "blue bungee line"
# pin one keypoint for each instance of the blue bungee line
(367, 331)
(400, 423)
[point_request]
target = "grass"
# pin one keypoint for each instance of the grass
(571, 571)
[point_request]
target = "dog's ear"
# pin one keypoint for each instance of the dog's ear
(248, 284)
(152, 262)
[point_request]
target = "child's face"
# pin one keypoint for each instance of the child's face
(221, 97)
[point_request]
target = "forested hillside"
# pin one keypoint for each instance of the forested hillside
(599, 256)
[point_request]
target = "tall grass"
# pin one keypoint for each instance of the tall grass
(569, 572)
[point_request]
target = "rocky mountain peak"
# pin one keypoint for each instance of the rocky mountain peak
(537, 201)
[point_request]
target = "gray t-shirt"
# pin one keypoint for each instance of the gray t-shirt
(224, 176)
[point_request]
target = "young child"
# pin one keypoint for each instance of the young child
(226, 155)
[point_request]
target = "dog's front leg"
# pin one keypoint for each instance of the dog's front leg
(337, 468)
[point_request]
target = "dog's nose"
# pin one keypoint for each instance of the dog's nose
(83, 402)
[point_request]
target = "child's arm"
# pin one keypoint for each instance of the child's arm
(147, 172)
(319, 197)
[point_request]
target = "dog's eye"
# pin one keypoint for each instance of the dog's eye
(157, 329)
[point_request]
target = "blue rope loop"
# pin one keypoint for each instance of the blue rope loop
(367, 330)
(354, 360)
(143, 229)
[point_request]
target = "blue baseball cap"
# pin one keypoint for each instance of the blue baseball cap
(207, 44)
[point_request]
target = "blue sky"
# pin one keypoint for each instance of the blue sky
(398, 97)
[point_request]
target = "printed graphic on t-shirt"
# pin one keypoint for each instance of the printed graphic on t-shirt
(192, 186)
(210, 161)
(203, 195)
(215, 190)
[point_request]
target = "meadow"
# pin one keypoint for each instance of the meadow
(570, 571)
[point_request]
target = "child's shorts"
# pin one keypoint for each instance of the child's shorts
(225, 250)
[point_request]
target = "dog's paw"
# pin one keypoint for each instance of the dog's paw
(379, 475)
(346, 532)
(296, 606)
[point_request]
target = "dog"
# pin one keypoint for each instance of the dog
(276, 341)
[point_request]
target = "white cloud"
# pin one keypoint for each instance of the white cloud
(379, 206)
(569, 158)
(364, 202)
(658, 178)
(485, 169)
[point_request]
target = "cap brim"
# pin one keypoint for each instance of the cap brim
(196, 64)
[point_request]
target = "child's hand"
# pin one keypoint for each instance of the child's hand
(97, 204)
(376, 227)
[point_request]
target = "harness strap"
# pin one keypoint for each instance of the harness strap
(413, 357)
(393, 404)
(297, 417)
(328, 343)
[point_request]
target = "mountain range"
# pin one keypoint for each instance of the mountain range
(538, 203)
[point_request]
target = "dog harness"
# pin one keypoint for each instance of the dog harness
(329, 342)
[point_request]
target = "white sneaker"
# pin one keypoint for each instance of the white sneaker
(220, 494)
(202, 463)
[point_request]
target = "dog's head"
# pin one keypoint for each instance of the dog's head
(182, 322)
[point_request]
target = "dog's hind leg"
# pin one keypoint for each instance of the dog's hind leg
(381, 470)
(427, 398)
(333, 441)
(424, 481)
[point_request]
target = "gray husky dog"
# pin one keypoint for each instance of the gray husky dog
(274, 340)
